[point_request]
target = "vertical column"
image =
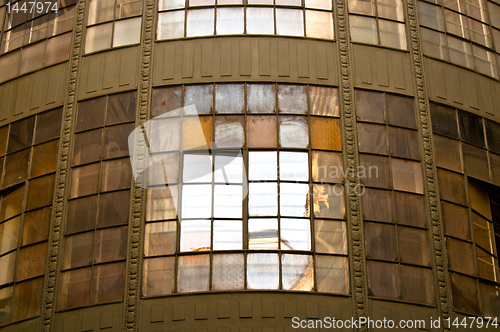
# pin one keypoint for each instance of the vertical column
(430, 173)
(350, 154)
(62, 173)
(133, 272)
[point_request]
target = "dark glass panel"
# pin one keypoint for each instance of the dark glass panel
(40, 192)
(261, 131)
(116, 175)
(11, 203)
(36, 225)
(444, 120)
(417, 284)
(87, 147)
(400, 111)
(91, 114)
(493, 135)
(372, 138)
(108, 282)
(74, 288)
(158, 276)
(44, 159)
(324, 101)
(383, 280)
(448, 153)
(471, 128)
(31, 261)
(370, 106)
(414, 246)
(465, 294)
(460, 256)
(21, 134)
(110, 244)
(377, 205)
(410, 209)
(27, 299)
(121, 108)
(116, 141)
(48, 125)
(78, 250)
(374, 171)
(325, 134)
(380, 241)
(113, 209)
(490, 299)
(451, 186)
(4, 131)
(404, 143)
(475, 162)
(16, 167)
(81, 214)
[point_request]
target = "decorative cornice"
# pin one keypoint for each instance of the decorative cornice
(133, 277)
(62, 173)
(430, 180)
(350, 154)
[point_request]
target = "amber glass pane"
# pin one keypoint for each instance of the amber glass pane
(6, 295)
(91, 114)
(162, 203)
(410, 209)
(110, 244)
(158, 276)
(113, 209)
(465, 294)
(444, 120)
(74, 288)
(404, 143)
(417, 284)
(200, 96)
(325, 134)
(451, 186)
(87, 147)
(108, 282)
(16, 167)
(383, 280)
(324, 101)
(40, 192)
(377, 205)
(407, 176)
(447, 152)
(471, 128)
(81, 214)
(166, 100)
(78, 250)
(456, 220)
(479, 199)
(44, 158)
(4, 131)
(460, 256)
(372, 138)
(27, 299)
(261, 131)
(332, 274)
(228, 272)
(21, 134)
(380, 241)
(370, 106)
(261, 98)
(121, 108)
(229, 132)
(31, 261)
(8, 264)
(327, 167)
(492, 134)
(48, 125)
(328, 201)
(193, 273)
(11, 203)
(116, 174)
(116, 141)
(400, 111)
(475, 162)
(190, 141)
(414, 246)
(160, 238)
(36, 225)
(297, 272)
(483, 233)
(330, 237)
(229, 98)
(9, 234)
(292, 99)
(374, 171)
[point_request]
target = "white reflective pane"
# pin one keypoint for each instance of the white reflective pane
(292, 99)
(294, 199)
(164, 134)
(201, 2)
(319, 24)
(261, 97)
(228, 201)
(170, 25)
(392, 9)
(229, 98)
(200, 22)
(229, 132)
(171, 4)
(434, 44)
(228, 169)
(289, 22)
(197, 168)
(193, 273)
(485, 61)
(392, 34)
(262, 271)
(262, 234)
(196, 201)
(294, 166)
(460, 52)
(294, 132)
(163, 169)
(330, 237)
(260, 21)
(297, 272)
(195, 235)
(321, 4)
(262, 165)
(295, 234)
(228, 272)
(228, 235)
(363, 29)
(362, 7)
(332, 274)
(430, 16)
(263, 199)
(230, 21)
(98, 37)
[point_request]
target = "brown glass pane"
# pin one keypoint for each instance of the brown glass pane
(447, 152)
(229, 131)
(81, 214)
(456, 220)
(332, 274)
(158, 276)
(460, 256)
(27, 299)
(40, 192)
(160, 203)
(31, 261)
(88, 147)
(372, 138)
(108, 282)
(451, 186)
(377, 205)
(84, 180)
(6, 296)
(9, 235)
(444, 120)
(11, 203)
(417, 284)
(190, 141)
(400, 111)
(493, 135)
(414, 246)
(465, 294)
(383, 280)
(116, 174)
(110, 244)
(48, 125)
(475, 162)
(294, 132)
(8, 264)
(325, 134)
(229, 98)
(330, 237)
(121, 108)
(113, 209)
(44, 159)
(78, 250)
(36, 225)
(370, 106)
(193, 273)
(410, 209)
(166, 100)
(327, 167)
(407, 176)
(489, 299)
(404, 143)
(380, 241)
(74, 288)
(4, 131)
(374, 171)
(160, 238)
(261, 131)
(328, 201)
(21, 134)
(116, 141)
(200, 96)
(16, 167)
(91, 114)
(495, 168)
(292, 99)
(471, 128)
(324, 101)
(488, 267)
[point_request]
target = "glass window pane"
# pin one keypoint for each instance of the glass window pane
(297, 272)
(383, 280)
(363, 29)
(100, 11)
(201, 96)
(260, 21)
(294, 166)
(121, 108)
(417, 284)
(63, 21)
(289, 22)
(84, 180)
(127, 32)
(320, 4)
(16, 168)
(170, 25)
(366, 7)
(261, 131)
(479, 199)
(465, 294)
(460, 52)
(81, 214)
(87, 147)
(197, 201)
(447, 152)
(195, 235)
(295, 234)
(430, 15)
(471, 128)
(230, 21)
(116, 141)
(160, 238)
(332, 274)
(158, 276)
(21, 134)
(372, 138)
(475, 162)
(4, 132)
(294, 132)
(40, 192)
(78, 250)
(489, 298)
(127, 8)
(263, 199)
(370, 106)
(392, 9)
(229, 131)
(374, 171)
(407, 176)
(414, 246)
(193, 273)
(460, 256)
(392, 34)
(32, 57)
(8, 264)
(410, 209)
(261, 98)
(444, 120)
(31, 261)
(44, 158)
(404, 143)
(10, 64)
(228, 168)
(197, 141)
(493, 135)
(377, 205)
(227, 235)
(108, 282)
(330, 237)
(6, 295)
(115, 175)
(480, 33)
(9, 234)
(294, 199)
(201, 2)
(110, 244)
(400, 111)
(262, 165)
(98, 37)
(171, 4)
(434, 43)
(229, 98)
(36, 226)
(486, 62)
(228, 272)
(91, 114)
(292, 99)
(380, 241)
(262, 234)
(262, 271)
(328, 201)
(166, 100)
(57, 49)
(456, 220)
(113, 209)
(228, 201)
(451, 187)
(162, 203)
(324, 101)
(456, 24)
(200, 22)
(74, 288)
(327, 167)
(27, 299)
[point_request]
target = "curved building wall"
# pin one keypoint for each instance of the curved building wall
(304, 103)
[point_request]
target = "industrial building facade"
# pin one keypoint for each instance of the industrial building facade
(350, 153)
